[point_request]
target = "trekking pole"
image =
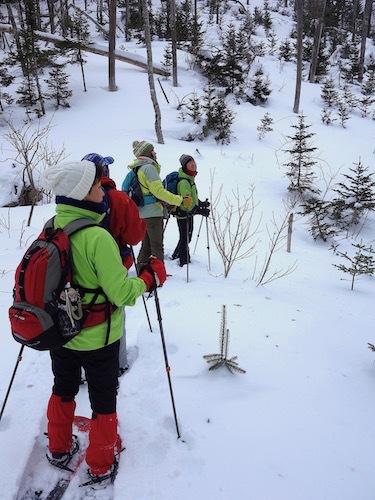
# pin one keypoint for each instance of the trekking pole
(166, 223)
(19, 358)
(208, 245)
(199, 232)
(187, 246)
(167, 367)
(143, 298)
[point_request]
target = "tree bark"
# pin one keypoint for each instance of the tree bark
(111, 47)
(354, 19)
(299, 14)
(317, 38)
(94, 49)
(151, 82)
(365, 27)
(174, 42)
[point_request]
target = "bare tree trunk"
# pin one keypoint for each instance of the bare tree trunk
(127, 20)
(51, 15)
(290, 232)
(94, 49)
(151, 82)
(80, 59)
(99, 26)
(64, 17)
(174, 42)
(365, 27)
(354, 19)
(111, 47)
(38, 17)
(317, 38)
(299, 14)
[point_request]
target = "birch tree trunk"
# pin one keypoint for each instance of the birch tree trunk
(150, 72)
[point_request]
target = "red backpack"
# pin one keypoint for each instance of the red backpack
(47, 311)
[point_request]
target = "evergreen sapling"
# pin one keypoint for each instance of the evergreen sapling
(221, 359)
(362, 263)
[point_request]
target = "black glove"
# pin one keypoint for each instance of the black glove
(204, 204)
(203, 211)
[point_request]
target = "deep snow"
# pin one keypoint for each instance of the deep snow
(298, 424)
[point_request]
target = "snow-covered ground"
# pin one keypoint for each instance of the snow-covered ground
(298, 424)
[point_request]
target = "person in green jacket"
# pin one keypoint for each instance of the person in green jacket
(153, 193)
(97, 266)
(184, 214)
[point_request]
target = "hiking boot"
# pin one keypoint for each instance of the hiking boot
(61, 460)
(100, 481)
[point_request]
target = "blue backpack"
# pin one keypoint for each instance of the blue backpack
(132, 187)
(171, 181)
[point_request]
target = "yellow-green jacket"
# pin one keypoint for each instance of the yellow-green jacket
(149, 179)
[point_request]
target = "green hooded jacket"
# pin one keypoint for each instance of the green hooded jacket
(97, 263)
(186, 185)
(149, 179)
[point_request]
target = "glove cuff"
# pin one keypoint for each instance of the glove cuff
(148, 278)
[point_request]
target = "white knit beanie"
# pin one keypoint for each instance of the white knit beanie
(73, 179)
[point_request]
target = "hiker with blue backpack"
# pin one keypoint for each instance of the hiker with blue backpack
(147, 171)
(184, 214)
(122, 220)
(100, 276)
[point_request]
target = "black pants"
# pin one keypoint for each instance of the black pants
(101, 367)
(185, 227)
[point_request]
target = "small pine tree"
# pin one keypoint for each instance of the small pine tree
(362, 263)
(348, 97)
(301, 163)
(318, 210)
(329, 93)
(80, 31)
(286, 51)
(58, 85)
(194, 108)
(272, 42)
(368, 84)
(364, 105)
(326, 116)
(348, 62)
(209, 104)
(265, 126)
(221, 359)
(356, 196)
(259, 88)
(231, 74)
(224, 120)
(5, 80)
(267, 19)
(28, 96)
(342, 112)
(167, 58)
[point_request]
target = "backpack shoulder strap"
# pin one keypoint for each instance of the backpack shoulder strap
(73, 226)
(78, 224)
